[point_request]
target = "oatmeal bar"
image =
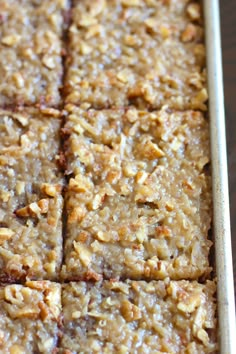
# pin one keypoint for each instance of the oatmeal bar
(30, 232)
(29, 145)
(31, 49)
(29, 317)
(30, 196)
(138, 201)
(138, 317)
(141, 52)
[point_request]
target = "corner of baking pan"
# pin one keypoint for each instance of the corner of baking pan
(221, 215)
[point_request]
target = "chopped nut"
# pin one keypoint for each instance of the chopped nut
(163, 231)
(97, 201)
(203, 161)
(171, 81)
(113, 176)
(73, 28)
(194, 11)
(120, 286)
(43, 205)
(189, 33)
(151, 23)
(80, 184)
(190, 303)
(123, 75)
(202, 96)
(19, 80)
(151, 151)
(28, 53)
(5, 196)
(5, 234)
(130, 311)
(76, 215)
(142, 235)
(129, 170)
(169, 206)
(34, 209)
(11, 39)
(132, 115)
(94, 30)
(176, 144)
(46, 346)
(203, 337)
(50, 111)
(200, 51)
(131, 2)
(97, 7)
(44, 310)
(123, 349)
(25, 140)
(49, 62)
(12, 293)
(23, 212)
(84, 254)
(188, 184)
(141, 176)
(91, 275)
(17, 349)
(196, 80)
(103, 236)
(20, 187)
(87, 21)
(130, 40)
(78, 129)
(85, 48)
(52, 299)
(21, 119)
(76, 315)
(51, 189)
(144, 194)
(165, 31)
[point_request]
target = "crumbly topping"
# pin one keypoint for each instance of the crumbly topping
(168, 317)
(30, 195)
(29, 316)
(138, 194)
(31, 46)
(140, 52)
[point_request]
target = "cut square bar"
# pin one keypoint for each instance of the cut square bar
(142, 52)
(31, 51)
(29, 145)
(29, 317)
(30, 196)
(138, 201)
(138, 317)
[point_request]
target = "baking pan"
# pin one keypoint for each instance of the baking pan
(221, 218)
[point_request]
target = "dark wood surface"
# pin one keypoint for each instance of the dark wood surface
(228, 28)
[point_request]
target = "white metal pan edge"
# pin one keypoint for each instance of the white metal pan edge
(221, 215)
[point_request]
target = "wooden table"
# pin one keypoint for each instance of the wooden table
(228, 25)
